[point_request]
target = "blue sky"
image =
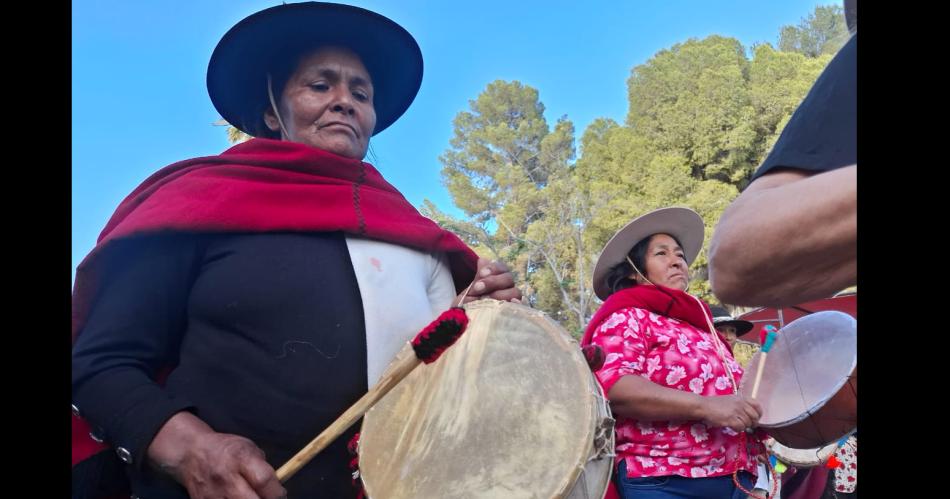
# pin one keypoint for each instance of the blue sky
(140, 102)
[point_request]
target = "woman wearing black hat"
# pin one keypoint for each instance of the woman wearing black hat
(236, 304)
(671, 379)
(730, 327)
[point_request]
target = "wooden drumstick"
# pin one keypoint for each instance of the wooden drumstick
(428, 345)
(769, 340)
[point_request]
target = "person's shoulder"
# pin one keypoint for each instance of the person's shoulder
(777, 177)
(618, 318)
(634, 318)
(670, 326)
(848, 52)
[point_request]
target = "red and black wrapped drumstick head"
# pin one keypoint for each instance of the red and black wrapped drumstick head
(440, 334)
(353, 447)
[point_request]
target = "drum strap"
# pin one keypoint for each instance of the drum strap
(719, 346)
(743, 448)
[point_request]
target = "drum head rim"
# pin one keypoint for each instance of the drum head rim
(568, 343)
(825, 449)
(815, 407)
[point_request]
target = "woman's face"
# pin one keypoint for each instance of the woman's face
(729, 331)
(665, 263)
(327, 103)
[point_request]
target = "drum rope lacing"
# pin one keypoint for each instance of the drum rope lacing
(603, 441)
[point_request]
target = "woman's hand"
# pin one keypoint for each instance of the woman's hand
(730, 411)
(493, 280)
(211, 464)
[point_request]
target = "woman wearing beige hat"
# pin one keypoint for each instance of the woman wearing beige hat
(670, 377)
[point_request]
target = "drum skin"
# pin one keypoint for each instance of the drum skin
(510, 411)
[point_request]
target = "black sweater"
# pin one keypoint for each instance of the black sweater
(266, 335)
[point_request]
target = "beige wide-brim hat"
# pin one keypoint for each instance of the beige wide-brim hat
(682, 223)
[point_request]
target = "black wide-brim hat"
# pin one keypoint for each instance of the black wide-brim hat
(237, 72)
(721, 317)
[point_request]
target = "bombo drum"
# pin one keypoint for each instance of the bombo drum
(510, 411)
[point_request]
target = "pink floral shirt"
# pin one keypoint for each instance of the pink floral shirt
(846, 475)
(677, 355)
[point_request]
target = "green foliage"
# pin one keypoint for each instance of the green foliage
(692, 100)
(702, 115)
(235, 136)
(823, 32)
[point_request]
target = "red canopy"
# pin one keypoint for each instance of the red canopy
(847, 303)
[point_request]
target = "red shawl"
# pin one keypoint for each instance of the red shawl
(660, 300)
(262, 186)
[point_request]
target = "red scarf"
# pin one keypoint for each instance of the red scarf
(660, 300)
(264, 185)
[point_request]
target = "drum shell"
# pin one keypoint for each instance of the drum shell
(837, 418)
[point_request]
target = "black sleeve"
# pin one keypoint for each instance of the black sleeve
(134, 329)
(822, 133)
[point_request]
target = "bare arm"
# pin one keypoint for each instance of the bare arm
(639, 398)
(790, 237)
